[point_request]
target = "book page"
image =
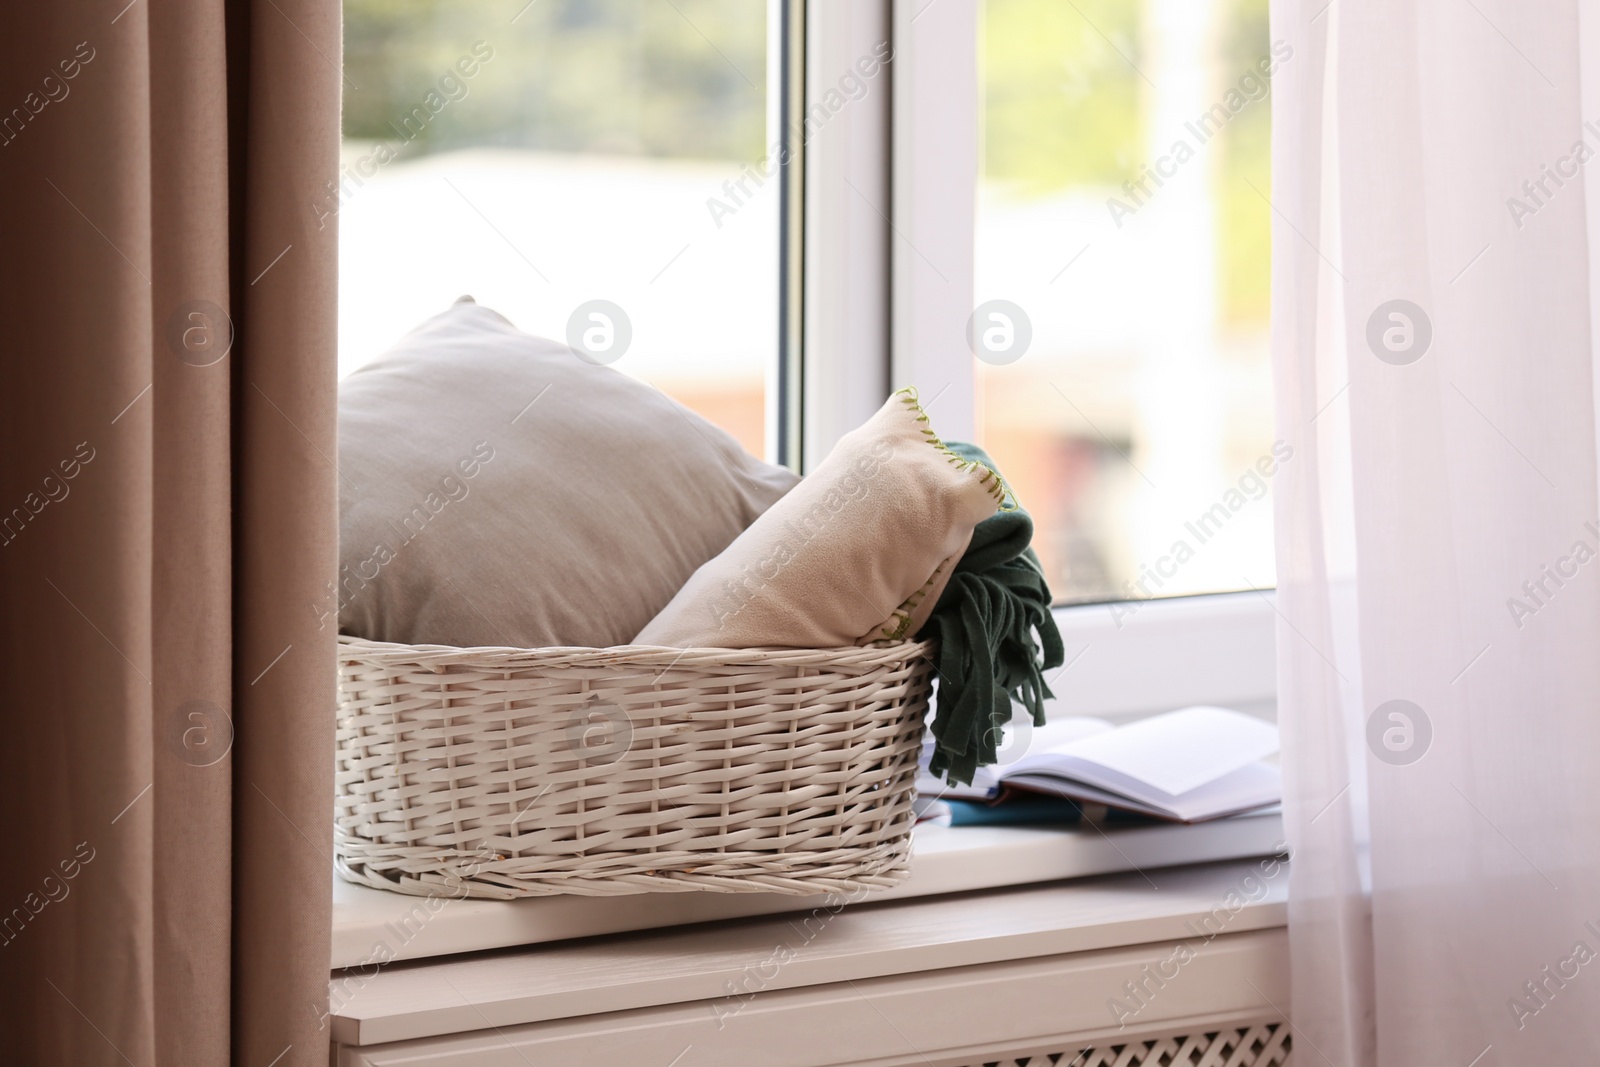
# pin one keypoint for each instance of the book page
(1172, 753)
(1019, 737)
(1246, 789)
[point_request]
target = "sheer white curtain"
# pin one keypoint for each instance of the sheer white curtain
(1436, 199)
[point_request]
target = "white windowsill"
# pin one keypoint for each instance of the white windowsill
(371, 925)
(1106, 929)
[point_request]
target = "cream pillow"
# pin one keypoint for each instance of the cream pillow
(858, 552)
(495, 489)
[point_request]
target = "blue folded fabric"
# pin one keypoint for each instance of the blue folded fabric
(1016, 810)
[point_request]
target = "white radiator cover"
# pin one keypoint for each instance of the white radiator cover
(1265, 1045)
(1135, 970)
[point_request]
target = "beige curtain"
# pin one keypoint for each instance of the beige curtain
(167, 524)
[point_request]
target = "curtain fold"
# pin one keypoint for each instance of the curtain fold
(168, 519)
(1439, 680)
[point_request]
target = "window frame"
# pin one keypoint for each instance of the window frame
(886, 217)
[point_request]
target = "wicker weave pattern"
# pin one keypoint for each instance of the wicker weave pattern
(498, 772)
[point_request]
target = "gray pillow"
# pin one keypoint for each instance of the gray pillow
(495, 489)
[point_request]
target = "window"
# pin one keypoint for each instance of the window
(1123, 238)
(799, 206)
(547, 156)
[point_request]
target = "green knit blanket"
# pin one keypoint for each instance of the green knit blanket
(995, 638)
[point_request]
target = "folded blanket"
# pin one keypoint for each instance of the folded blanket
(858, 552)
(985, 622)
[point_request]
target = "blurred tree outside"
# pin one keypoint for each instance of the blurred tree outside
(1063, 107)
(1060, 107)
(614, 77)
(1244, 219)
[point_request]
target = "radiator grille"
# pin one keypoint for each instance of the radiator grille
(1266, 1045)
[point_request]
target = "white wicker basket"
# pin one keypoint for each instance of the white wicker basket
(502, 772)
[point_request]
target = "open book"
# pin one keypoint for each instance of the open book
(1189, 765)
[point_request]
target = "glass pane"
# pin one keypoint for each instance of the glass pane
(542, 155)
(1123, 211)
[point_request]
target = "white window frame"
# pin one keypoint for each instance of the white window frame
(888, 217)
